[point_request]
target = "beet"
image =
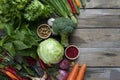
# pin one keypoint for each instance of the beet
(64, 64)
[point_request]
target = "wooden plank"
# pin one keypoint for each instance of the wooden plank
(102, 74)
(96, 38)
(102, 3)
(99, 57)
(99, 18)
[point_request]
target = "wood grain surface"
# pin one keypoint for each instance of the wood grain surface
(102, 18)
(102, 3)
(100, 57)
(102, 74)
(96, 38)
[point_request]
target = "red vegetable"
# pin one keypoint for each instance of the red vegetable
(13, 71)
(74, 72)
(62, 75)
(1, 59)
(10, 69)
(31, 61)
(42, 64)
(64, 64)
(81, 72)
(72, 52)
(49, 77)
(9, 74)
(72, 6)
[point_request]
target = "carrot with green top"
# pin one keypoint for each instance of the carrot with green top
(81, 72)
(74, 72)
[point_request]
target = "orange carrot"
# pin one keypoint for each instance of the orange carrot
(74, 72)
(81, 72)
(78, 3)
(11, 75)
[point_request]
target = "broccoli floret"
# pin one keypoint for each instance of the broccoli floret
(63, 27)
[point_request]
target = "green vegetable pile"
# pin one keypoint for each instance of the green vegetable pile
(21, 48)
(18, 22)
(15, 19)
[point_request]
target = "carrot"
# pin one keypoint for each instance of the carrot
(81, 72)
(13, 71)
(74, 72)
(78, 3)
(11, 75)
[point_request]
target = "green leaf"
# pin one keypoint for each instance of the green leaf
(28, 70)
(19, 45)
(30, 41)
(18, 35)
(9, 29)
(28, 52)
(3, 40)
(10, 48)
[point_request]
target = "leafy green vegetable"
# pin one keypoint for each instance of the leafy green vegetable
(50, 51)
(19, 39)
(36, 9)
(16, 11)
(15, 17)
(10, 48)
(63, 26)
(12, 10)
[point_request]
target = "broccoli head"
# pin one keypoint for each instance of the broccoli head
(63, 27)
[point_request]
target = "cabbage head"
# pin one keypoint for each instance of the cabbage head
(50, 51)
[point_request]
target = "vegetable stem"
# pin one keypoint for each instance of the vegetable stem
(64, 40)
(83, 3)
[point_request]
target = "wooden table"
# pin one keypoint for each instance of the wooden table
(98, 39)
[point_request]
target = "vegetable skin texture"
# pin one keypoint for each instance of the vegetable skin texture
(63, 27)
(81, 72)
(78, 3)
(74, 72)
(72, 6)
(50, 51)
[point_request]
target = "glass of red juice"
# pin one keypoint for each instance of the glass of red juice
(72, 52)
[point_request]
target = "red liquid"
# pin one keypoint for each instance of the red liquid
(72, 52)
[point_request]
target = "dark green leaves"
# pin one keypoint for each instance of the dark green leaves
(19, 41)
(10, 48)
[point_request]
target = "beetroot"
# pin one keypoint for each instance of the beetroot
(63, 74)
(64, 64)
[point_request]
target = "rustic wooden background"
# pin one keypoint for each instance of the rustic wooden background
(98, 39)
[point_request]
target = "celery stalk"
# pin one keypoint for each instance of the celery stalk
(57, 8)
(71, 15)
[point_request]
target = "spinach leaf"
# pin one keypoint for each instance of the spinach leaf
(10, 48)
